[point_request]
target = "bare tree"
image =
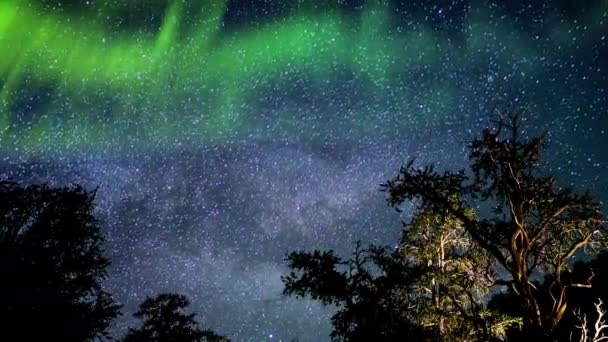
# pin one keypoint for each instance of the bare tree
(600, 324)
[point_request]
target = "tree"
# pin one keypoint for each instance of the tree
(532, 226)
(596, 333)
(504, 223)
(429, 288)
(370, 290)
(581, 301)
(449, 296)
(52, 265)
(164, 321)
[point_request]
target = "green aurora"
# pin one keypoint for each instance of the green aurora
(194, 78)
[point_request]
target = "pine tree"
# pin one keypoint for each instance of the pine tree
(163, 320)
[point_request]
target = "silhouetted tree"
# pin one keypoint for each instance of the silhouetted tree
(370, 290)
(531, 226)
(52, 264)
(163, 320)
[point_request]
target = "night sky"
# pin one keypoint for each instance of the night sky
(224, 134)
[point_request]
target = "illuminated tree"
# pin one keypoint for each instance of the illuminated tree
(432, 287)
(506, 222)
(532, 226)
(448, 298)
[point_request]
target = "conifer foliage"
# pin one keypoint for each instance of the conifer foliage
(164, 320)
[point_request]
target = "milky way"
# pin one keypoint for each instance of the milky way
(224, 134)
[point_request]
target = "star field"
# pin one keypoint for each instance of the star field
(224, 134)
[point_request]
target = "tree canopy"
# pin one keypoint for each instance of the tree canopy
(532, 225)
(368, 289)
(163, 320)
(52, 265)
(502, 222)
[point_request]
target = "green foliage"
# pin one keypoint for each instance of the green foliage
(449, 296)
(429, 288)
(164, 321)
(533, 226)
(451, 256)
(52, 263)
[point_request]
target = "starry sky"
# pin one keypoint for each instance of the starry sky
(225, 133)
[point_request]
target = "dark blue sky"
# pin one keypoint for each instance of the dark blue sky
(291, 154)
